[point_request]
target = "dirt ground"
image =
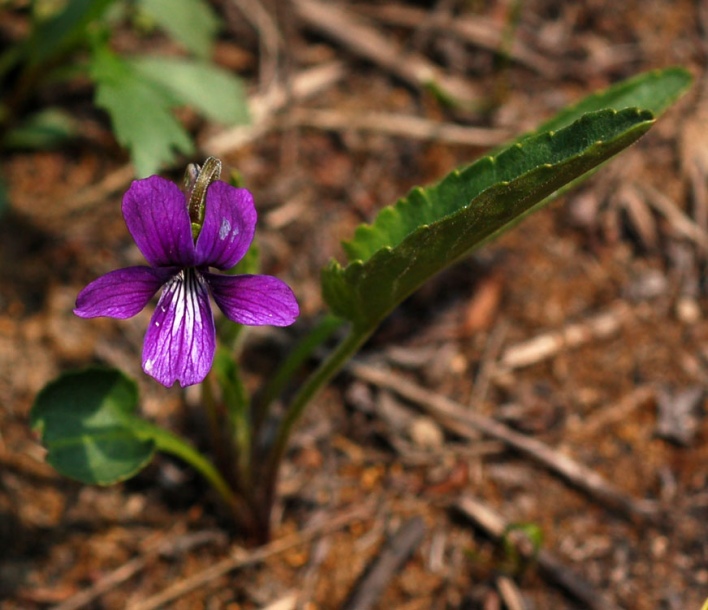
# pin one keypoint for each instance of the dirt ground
(582, 332)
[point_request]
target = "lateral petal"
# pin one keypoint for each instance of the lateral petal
(121, 293)
(229, 225)
(255, 300)
(181, 339)
(156, 213)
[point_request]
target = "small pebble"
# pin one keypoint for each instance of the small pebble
(687, 310)
(425, 433)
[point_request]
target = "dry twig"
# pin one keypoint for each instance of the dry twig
(614, 413)
(467, 424)
(387, 562)
(263, 107)
(90, 196)
(487, 363)
(479, 31)
(168, 545)
(360, 38)
(270, 39)
(680, 222)
(397, 125)
(240, 558)
(510, 594)
(547, 345)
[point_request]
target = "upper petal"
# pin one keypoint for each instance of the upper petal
(255, 300)
(156, 213)
(229, 226)
(181, 340)
(121, 293)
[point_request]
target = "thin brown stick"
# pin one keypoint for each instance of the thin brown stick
(359, 37)
(387, 562)
(397, 125)
(612, 414)
(479, 31)
(241, 558)
(487, 364)
(467, 423)
(269, 37)
(509, 593)
(549, 565)
(547, 345)
(91, 195)
(263, 107)
(679, 221)
(169, 544)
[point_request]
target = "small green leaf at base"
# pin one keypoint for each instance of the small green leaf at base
(88, 424)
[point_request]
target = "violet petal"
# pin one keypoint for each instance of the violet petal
(255, 300)
(229, 226)
(181, 340)
(156, 213)
(121, 293)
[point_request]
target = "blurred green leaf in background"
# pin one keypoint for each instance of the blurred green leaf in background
(139, 92)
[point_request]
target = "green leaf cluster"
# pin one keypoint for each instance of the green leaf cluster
(139, 93)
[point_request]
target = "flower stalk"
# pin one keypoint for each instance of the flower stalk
(327, 369)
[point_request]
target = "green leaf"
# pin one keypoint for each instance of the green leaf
(140, 111)
(433, 227)
(236, 400)
(43, 130)
(192, 22)
(515, 561)
(434, 217)
(654, 91)
(216, 93)
(63, 30)
(88, 425)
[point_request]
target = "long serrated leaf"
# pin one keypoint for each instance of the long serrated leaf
(87, 422)
(218, 94)
(140, 112)
(433, 227)
(654, 91)
(191, 22)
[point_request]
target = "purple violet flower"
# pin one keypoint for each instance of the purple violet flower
(181, 339)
